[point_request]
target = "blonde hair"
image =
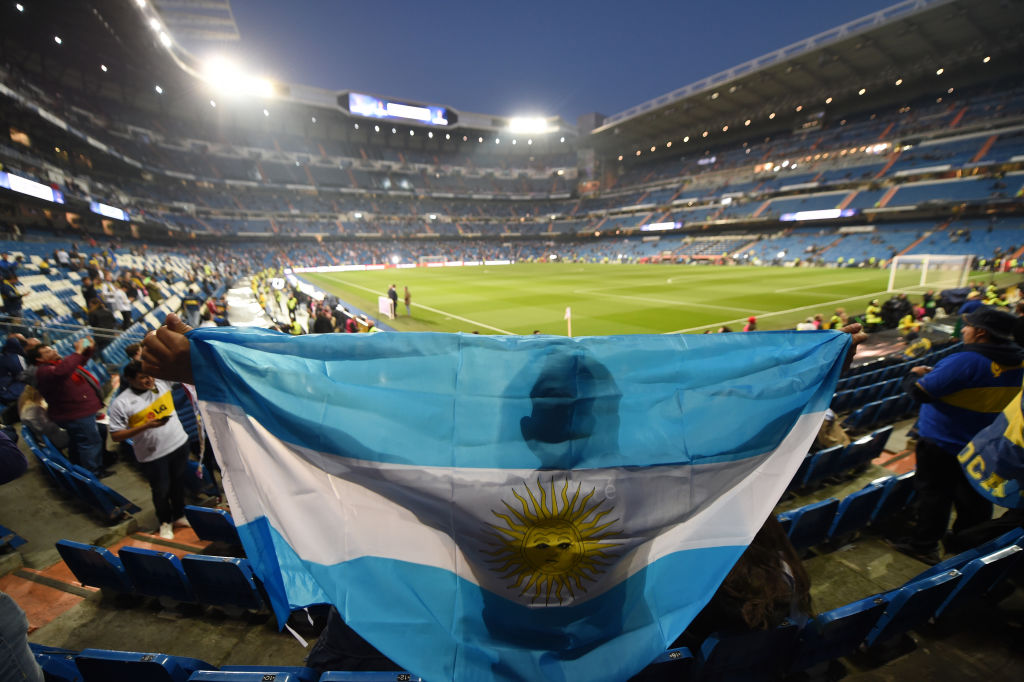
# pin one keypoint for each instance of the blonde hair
(30, 395)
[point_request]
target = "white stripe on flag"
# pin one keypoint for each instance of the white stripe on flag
(332, 509)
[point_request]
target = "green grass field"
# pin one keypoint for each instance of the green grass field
(610, 299)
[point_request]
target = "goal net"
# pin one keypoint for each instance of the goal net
(929, 271)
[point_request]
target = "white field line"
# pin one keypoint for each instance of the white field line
(665, 301)
(784, 312)
(435, 310)
(815, 286)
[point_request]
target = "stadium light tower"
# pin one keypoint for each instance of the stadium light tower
(528, 125)
(226, 77)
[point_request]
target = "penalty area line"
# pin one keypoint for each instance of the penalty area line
(435, 310)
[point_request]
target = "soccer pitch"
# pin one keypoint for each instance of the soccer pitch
(609, 299)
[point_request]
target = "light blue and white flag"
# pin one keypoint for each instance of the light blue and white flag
(513, 508)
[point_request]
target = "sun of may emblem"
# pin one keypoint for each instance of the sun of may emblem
(552, 542)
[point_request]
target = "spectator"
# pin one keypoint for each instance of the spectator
(408, 302)
(12, 372)
(7, 266)
(122, 305)
(766, 586)
(88, 290)
(192, 306)
(74, 397)
(145, 414)
(873, 316)
(32, 411)
(102, 321)
(960, 396)
(12, 295)
(324, 323)
(751, 324)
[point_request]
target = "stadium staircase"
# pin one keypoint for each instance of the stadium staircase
(761, 209)
(887, 197)
(888, 129)
(848, 200)
(959, 117)
(984, 149)
(893, 158)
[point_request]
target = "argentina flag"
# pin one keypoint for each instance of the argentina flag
(508, 508)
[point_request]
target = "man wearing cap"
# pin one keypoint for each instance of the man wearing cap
(959, 397)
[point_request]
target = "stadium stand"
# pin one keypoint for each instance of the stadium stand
(211, 200)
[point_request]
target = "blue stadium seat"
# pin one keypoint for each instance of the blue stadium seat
(58, 664)
(911, 605)
(156, 574)
(758, 655)
(863, 417)
(824, 463)
(808, 525)
(256, 673)
(899, 490)
(863, 450)
(368, 676)
(854, 511)
(94, 566)
(836, 633)
(212, 524)
(223, 581)
(979, 576)
(801, 473)
(8, 538)
(1011, 537)
(102, 665)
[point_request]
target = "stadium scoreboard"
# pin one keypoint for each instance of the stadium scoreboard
(369, 106)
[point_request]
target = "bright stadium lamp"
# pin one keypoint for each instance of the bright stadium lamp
(165, 39)
(528, 124)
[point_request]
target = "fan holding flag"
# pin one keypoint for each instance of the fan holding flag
(536, 499)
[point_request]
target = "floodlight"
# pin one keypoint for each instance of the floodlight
(528, 124)
(159, 90)
(57, 40)
(314, 121)
(262, 87)
(165, 39)
(529, 141)
(140, 3)
(771, 116)
(103, 68)
(396, 259)
(266, 112)
(357, 214)
(20, 7)
(939, 71)
(861, 91)
(561, 139)
(986, 60)
(213, 104)
(154, 23)
(899, 81)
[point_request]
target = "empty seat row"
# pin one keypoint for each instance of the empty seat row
(939, 593)
(884, 411)
(226, 582)
(837, 460)
(833, 520)
(78, 481)
(873, 374)
(853, 398)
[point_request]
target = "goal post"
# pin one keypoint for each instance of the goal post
(926, 270)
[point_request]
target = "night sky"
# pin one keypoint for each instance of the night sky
(526, 57)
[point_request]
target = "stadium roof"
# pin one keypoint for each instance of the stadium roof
(909, 42)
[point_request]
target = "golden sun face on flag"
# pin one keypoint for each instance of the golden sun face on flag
(552, 544)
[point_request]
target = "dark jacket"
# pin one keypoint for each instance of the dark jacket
(11, 368)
